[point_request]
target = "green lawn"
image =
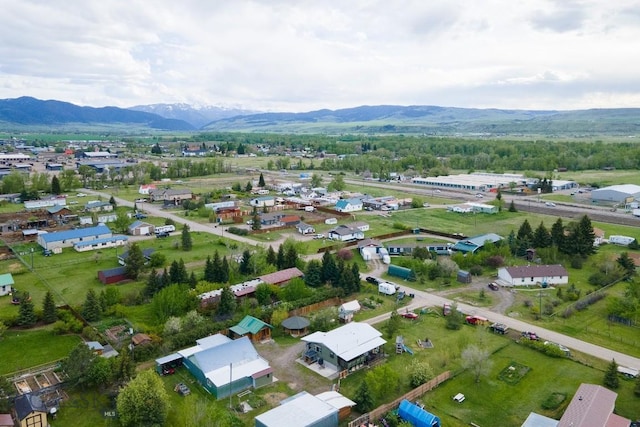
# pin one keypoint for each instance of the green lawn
(42, 344)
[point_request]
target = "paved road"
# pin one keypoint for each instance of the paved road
(422, 299)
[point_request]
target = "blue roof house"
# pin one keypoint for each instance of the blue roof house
(68, 238)
(349, 205)
(472, 244)
(224, 366)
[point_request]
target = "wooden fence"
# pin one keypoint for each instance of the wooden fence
(410, 396)
(331, 302)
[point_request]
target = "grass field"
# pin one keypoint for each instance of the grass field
(42, 344)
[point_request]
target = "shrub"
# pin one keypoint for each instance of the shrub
(345, 254)
(238, 231)
(476, 270)
(589, 300)
(400, 226)
(576, 262)
(568, 312)
(495, 261)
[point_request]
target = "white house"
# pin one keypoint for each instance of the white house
(347, 310)
(260, 202)
(349, 205)
(305, 228)
(344, 233)
(532, 275)
(146, 189)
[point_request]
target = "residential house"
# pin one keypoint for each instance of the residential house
(68, 238)
(172, 196)
(59, 212)
(98, 206)
(107, 242)
(290, 220)
(591, 406)
(349, 205)
(255, 329)
(282, 277)
(146, 254)
(347, 348)
(112, 275)
(30, 411)
(270, 218)
(300, 410)
(304, 228)
(264, 201)
(45, 203)
(140, 228)
(54, 166)
(224, 366)
(472, 244)
(145, 189)
(370, 248)
(531, 275)
(106, 218)
(359, 225)
(345, 233)
(6, 284)
(440, 248)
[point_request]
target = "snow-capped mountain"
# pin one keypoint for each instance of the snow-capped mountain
(197, 116)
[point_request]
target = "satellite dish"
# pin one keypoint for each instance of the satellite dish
(53, 410)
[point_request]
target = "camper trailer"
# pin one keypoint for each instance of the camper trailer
(386, 288)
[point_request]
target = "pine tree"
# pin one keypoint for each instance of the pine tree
(355, 270)
(55, 185)
(248, 187)
(217, 267)
(183, 275)
(280, 258)
(224, 270)
(525, 231)
(627, 264)
(557, 234)
(245, 264)
(174, 272)
(165, 280)
(187, 242)
(329, 269)
(153, 283)
(290, 257)
(363, 398)
(193, 281)
(227, 304)
(26, 313)
(49, 313)
(261, 182)
(611, 379)
(135, 262)
(209, 272)
(512, 207)
(125, 367)
(271, 256)
(313, 274)
(541, 237)
(91, 307)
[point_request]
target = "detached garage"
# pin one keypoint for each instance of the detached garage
(139, 228)
(301, 410)
(113, 275)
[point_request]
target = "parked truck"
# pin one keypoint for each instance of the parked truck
(386, 288)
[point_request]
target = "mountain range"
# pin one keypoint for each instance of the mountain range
(381, 119)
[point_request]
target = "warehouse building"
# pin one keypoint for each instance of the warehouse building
(624, 193)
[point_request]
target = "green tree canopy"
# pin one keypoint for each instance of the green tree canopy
(144, 401)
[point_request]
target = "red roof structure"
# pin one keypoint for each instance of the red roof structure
(592, 406)
(281, 277)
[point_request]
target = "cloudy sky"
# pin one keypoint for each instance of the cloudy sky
(299, 55)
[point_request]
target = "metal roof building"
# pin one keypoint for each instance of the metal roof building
(300, 410)
(616, 193)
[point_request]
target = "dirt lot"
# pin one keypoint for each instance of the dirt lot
(282, 359)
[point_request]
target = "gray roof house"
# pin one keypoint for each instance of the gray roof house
(528, 275)
(300, 410)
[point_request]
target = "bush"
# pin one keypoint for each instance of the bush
(476, 270)
(238, 231)
(589, 300)
(576, 262)
(550, 349)
(495, 261)
(345, 254)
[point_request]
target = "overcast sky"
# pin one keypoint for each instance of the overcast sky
(297, 55)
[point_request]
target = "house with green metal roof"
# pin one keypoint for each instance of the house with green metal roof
(472, 244)
(255, 329)
(6, 284)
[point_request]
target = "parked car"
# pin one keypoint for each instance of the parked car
(530, 335)
(499, 328)
(168, 371)
(318, 236)
(493, 286)
(550, 204)
(479, 196)
(410, 315)
(162, 234)
(372, 280)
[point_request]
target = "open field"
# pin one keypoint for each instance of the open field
(42, 344)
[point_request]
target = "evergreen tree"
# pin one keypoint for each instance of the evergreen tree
(209, 272)
(363, 398)
(245, 264)
(512, 207)
(313, 274)
(512, 242)
(248, 187)
(217, 267)
(627, 264)
(541, 237)
(271, 256)
(193, 281)
(154, 283)
(224, 270)
(91, 307)
(165, 280)
(355, 270)
(261, 182)
(525, 231)
(55, 185)
(347, 281)
(125, 368)
(280, 262)
(134, 262)
(290, 257)
(611, 379)
(187, 243)
(580, 238)
(182, 272)
(227, 304)
(112, 202)
(26, 312)
(49, 311)
(329, 269)
(256, 224)
(557, 234)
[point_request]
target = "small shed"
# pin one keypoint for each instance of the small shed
(6, 284)
(140, 228)
(95, 347)
(347, 310)
(140, 339)
(112, 275)
(296, 326)
(463, 276)
(338, 401)
(255, 329)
